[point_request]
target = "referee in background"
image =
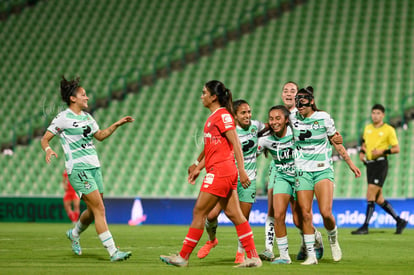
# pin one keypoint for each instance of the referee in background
(379, 141)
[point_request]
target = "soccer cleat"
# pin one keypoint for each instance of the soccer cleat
(120, 256)
(266, 255)
(75, 242)
(335, 248)
(310, 260)
(363, 230)
(280, 260)
(250, 262)
(302, 253)
(401, 224)
(205, 250)
(239, 258)
(318, 245)
(175, 260)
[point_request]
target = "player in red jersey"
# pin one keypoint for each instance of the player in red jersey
(221, 146)
(70, 198)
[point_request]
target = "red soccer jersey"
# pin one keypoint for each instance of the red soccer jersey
(217, 149)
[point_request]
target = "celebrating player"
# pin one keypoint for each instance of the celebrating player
(312, 130)
(247, 131)
(76, 130)
(278, 140)
(221, 145)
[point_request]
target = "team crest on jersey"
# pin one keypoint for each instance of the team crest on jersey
(315, 125)
(87, 185)
(228, 122)
(253, 131)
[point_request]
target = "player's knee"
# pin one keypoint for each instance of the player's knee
(280, 217)
(326, 212)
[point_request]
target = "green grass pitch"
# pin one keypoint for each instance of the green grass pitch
(37, 248)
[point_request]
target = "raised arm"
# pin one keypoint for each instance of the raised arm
(103, 134)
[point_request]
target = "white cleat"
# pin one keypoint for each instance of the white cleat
(310, 260)
(335, 248)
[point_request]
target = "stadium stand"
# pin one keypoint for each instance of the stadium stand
(353, 53)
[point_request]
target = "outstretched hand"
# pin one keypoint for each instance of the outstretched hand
(124, 120)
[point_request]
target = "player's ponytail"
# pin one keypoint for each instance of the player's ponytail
(223, 94)
(68, 88)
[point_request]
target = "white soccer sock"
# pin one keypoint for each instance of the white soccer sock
(282, 244)
(309, 243)
(269, 233)
(211, 228)
(78, 229)
(108, 242)
(333, 235)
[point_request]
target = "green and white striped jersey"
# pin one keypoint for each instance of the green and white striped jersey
(282, 151)
(76, 136)
(313, 149)
(248, 140)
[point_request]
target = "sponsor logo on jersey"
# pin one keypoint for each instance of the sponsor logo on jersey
(227, 120)
(208, 180)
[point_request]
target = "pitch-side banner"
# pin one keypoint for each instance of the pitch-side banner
(348, 213)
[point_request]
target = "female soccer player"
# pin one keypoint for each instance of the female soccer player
(278, 140)
(221, 145)
(247, 130)
(312, 130)
(70, 198)
(76, 130)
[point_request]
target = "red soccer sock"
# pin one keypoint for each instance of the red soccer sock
(190, 242)
(245, 234)
(70, 215)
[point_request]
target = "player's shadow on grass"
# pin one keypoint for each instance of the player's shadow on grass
(376, 231)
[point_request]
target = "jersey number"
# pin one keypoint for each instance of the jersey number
(82, 175)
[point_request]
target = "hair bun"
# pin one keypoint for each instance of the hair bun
(309, 89)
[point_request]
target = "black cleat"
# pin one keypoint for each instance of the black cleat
(401, 224)
(363, 230)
